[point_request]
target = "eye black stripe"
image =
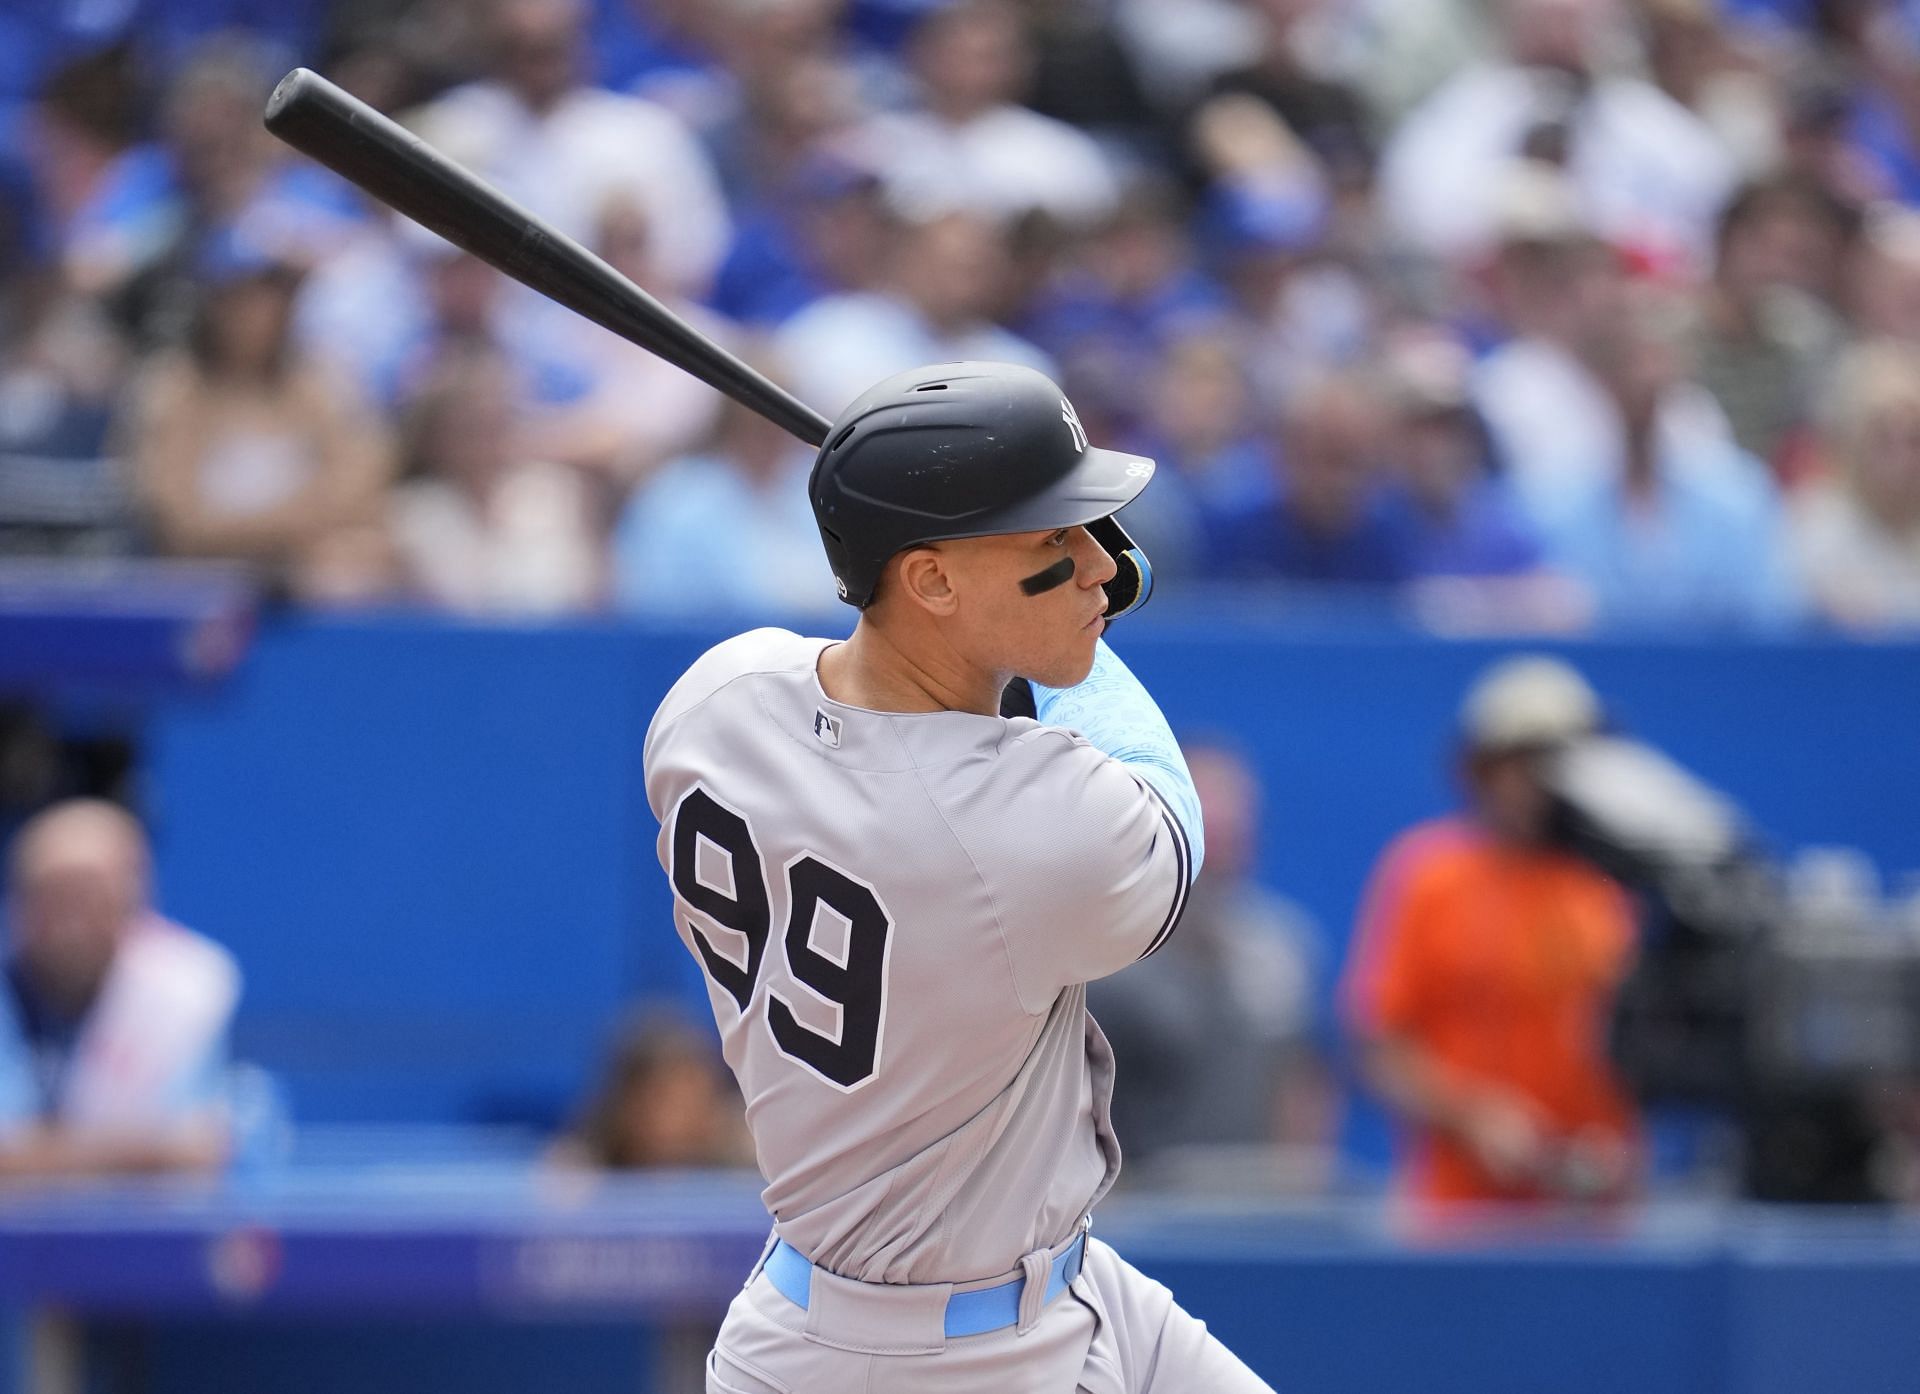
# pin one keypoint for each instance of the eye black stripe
(1043, 581)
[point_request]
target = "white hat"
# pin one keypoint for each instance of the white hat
(1528, 701)
(1535, 202)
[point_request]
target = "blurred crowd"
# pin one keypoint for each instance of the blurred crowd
(1503, 313)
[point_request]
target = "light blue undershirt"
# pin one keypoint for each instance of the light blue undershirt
(1117, 715)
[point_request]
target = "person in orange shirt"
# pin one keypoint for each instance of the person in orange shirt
(1485, 968)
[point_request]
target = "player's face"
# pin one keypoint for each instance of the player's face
(1508, 795)
(1046, 636)
(68, 921)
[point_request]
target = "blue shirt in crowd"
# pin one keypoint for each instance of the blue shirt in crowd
(703, 538)
(1485, 535)
(1376, 548)
(1082, 309)
(1705, 547)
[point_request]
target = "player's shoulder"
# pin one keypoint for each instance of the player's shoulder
(755, 651)
(1051, 776)
(1025, 741)
(758, 651)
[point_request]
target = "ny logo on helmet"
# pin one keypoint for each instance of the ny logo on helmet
(1068, 415)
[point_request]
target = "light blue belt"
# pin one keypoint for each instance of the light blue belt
(968, 1313)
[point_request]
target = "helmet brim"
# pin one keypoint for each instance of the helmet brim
(1099, 485)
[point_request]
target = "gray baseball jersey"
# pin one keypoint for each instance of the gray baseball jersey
(896, 914)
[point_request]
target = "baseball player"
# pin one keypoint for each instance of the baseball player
(898, 895)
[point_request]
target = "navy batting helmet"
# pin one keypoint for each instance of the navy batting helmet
(968, 450)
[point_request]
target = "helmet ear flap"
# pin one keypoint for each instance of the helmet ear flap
(1132, 583)
(844, 566)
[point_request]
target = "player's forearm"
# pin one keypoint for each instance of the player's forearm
(1117, 714)
(1415, 1086)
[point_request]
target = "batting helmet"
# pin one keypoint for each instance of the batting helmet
(968, 450)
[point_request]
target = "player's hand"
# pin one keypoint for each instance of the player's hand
(1508, 1137)
(1595, 1165)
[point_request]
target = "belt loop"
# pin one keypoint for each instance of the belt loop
(1034, 1270)
(760, 1263)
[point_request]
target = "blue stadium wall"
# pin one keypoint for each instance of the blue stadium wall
(429, 844)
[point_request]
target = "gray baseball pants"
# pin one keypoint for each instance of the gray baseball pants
(1114, 1331)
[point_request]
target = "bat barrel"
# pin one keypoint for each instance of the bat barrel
(382, 157)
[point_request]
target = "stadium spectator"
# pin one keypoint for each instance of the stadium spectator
(1561, 295)
(395, 300)
(1856, 533)
(725, 531)
(1213, 1037)
(394, 56)
(791, 90)
(1648, 174)
(243, 448)
(1872, 48)
(944, 282)
(481, 528)
(820, 232)
(1337, 516)
(1294, 73)
(1817, 136)
(664, 1099)
(134, 241)
(1133, 292)
(970, 145)
(566, 150)
(1180, 46)
(1414, 46)
(1271, 216)
(1885, 299)
(662, 50)
(113, 1020)
(1484, 969)
(462, 297)
(1676, 529)
(1478, 566)
(1549, 282)
(85, 114)
(1766, 328)
(1086, 75)
(1465, 521)
(640, 409)
(59, 364)
(1214, 458)
(1696, 57)
(60, 367)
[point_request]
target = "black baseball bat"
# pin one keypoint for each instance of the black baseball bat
(356, 142)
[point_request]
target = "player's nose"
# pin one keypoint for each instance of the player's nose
(1095, 564)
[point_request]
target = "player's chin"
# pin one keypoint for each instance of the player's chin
(1070, 667)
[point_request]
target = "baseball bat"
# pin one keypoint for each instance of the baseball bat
(382, 157)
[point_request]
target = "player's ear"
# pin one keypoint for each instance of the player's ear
(921, 575)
